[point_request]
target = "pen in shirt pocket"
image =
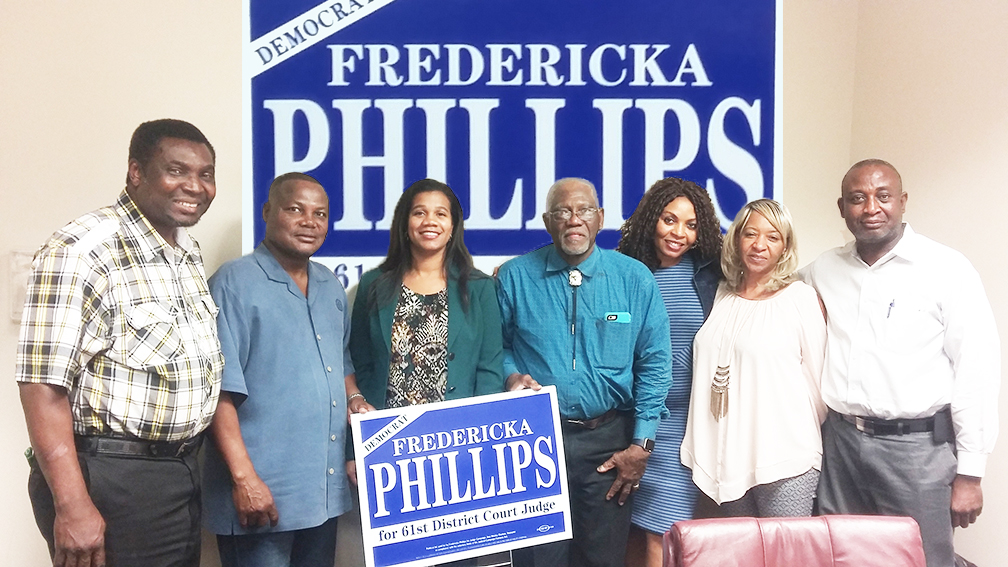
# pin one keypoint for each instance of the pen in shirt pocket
(891, 305)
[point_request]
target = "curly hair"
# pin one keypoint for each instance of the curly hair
(638, 232)
(731, 256)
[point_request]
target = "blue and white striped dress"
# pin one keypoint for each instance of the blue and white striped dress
(667, 493)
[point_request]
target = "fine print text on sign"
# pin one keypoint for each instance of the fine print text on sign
(461, 478)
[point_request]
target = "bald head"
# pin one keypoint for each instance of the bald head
(282, 184)
(872, 203)
(871, 162)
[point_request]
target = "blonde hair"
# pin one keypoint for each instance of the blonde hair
(779, 217)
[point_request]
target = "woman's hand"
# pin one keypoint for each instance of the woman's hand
(357, 404)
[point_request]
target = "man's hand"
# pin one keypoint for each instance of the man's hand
(252, 498)
(518, 381)
(967, 500)
(79, 534)
(79, 529)
(254, 503)
(629, 464)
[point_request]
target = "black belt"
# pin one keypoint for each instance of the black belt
(594, 422)
(137, 447)
(873, 426)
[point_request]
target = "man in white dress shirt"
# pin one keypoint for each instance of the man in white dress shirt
(912, 370)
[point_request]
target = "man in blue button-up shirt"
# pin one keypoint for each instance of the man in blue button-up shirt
(275, 476)
(590, 322)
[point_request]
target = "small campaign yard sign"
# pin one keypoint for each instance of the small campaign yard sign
(462, 478)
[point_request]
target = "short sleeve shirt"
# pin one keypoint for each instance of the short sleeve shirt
(286, 358)
(125, 323)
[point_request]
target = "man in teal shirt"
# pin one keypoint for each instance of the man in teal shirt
(590, 322)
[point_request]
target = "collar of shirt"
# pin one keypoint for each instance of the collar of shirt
(275, 271)
(149, 241)
(907, 248)
(591, 266)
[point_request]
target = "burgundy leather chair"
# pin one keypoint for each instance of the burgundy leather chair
(823, 541)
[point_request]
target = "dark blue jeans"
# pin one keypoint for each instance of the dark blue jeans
(310, 547)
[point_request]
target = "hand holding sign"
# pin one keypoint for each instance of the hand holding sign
(518, 381)
(461, 478)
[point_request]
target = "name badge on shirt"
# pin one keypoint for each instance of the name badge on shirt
(618, 317)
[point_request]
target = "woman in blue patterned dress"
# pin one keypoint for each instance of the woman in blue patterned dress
(676, 233)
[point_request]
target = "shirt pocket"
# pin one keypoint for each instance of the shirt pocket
(152, 338)
(616, 344)
(911, 324)
(329, 320)
(206, 322)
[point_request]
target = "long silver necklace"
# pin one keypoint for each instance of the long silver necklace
(722, 376)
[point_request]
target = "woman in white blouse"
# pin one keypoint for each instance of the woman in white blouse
(752, 435)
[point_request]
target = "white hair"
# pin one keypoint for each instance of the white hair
(567, 180)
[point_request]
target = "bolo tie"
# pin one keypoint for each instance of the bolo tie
(574, 281)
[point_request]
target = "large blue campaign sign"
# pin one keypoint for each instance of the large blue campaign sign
(501, 98)
(459, 479)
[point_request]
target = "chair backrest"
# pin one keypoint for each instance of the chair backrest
(822, 541)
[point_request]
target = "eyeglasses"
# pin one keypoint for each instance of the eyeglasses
(586, 214)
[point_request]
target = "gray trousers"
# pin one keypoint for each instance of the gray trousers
(896, 475)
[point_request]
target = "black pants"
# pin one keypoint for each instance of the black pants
(151, 508)
(600, 527)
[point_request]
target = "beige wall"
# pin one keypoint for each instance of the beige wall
(75, 79)
(919, 83)
(930, 94)
(817, 117)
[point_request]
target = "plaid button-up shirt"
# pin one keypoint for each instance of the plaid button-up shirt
(125, 323)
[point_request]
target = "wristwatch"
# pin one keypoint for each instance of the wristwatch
(645, 443)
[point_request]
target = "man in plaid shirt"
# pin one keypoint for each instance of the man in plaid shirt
(119, 364)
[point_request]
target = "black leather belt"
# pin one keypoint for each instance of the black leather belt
(594, 422)
(873, 426)
(137, 447)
